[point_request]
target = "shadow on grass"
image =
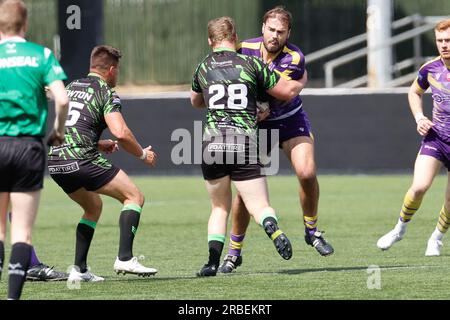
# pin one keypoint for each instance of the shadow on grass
(256, 273)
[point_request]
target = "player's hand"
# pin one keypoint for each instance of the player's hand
(262, 115)
(48, 94)
(423, 125)
(262, 110)
(108, 146)
(55, 138)
(151, 157)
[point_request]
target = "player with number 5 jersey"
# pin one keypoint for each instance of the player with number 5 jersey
(228, 85)
(80, 169)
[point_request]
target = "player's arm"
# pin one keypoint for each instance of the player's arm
(108, 146)
(125, 138)
(197, 99)
(59, 94)
(415, 95)
(286, 89)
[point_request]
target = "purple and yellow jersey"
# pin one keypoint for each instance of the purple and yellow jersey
(289, 63)
(435, 74)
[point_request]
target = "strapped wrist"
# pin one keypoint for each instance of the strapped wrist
(419, 116)
(144, 155)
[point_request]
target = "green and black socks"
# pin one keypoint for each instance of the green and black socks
(85, 233)
(129, 222)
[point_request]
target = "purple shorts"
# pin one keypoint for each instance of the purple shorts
(296, 125)
(434, 146)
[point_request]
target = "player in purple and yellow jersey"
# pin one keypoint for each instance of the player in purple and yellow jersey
(435, 149)
(295, 137)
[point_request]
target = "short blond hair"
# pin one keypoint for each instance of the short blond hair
(443, 25)
(13, 16)
(221, 29)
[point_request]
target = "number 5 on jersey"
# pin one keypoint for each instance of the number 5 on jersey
(74, 113)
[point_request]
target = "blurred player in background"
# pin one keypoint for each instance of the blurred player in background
(295, 137)
(83, 173)
(228, 84)
(435, 149)
(25, 69)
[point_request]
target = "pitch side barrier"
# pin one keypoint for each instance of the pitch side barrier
(355, 131)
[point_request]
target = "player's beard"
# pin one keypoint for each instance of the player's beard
(446, 55)
(273, 46)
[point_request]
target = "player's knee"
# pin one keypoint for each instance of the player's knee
(142, 200)
(138, 198)
(447, 202)
(306, 176)
(419, 190)
(220, 210)
(135, 196)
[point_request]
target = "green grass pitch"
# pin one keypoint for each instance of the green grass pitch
(354, 211)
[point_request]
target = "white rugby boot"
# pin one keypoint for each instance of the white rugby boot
(134, 267)
(433, 248)
(386, 241)
(435, 244)
(87, 276)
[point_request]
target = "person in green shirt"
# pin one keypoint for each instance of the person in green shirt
(26, 69)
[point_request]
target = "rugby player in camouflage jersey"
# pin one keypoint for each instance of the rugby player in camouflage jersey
(80, 169)
(228, 85)
(435, 149)
(295, 136)
(25, 69)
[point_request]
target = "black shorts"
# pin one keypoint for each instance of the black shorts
(22, 164)
(229, 158)
(72, 175)
(236, 172)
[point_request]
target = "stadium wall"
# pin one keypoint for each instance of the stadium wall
(356, 131)
(163, 40)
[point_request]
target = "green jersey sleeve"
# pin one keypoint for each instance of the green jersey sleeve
(52, 69)
(195, 83)
(266, 78)
(112, 102)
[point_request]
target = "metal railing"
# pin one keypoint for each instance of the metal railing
(420, 26)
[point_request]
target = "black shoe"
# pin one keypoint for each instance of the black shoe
(42, 272)
(208, 270)
(317, 241)
(280, 240)
(230, 263)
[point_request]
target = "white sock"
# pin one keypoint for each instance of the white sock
(437, 235)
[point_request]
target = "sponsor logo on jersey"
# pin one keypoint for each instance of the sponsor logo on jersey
(221, 63)
(20, 61)
(226, 147)
(429, 147)
(64, 168)
(441, 98)
(57, 69)
(79, 94)
(11, 48)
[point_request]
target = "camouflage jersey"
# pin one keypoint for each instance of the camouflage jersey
(91, 99)
(231, 83)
